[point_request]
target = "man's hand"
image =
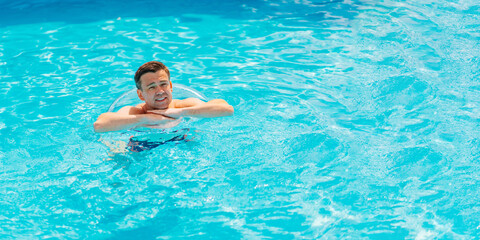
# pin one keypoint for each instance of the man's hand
(154, 119)
(169, 113)
(158, 121)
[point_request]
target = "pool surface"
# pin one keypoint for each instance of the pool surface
(353, 120)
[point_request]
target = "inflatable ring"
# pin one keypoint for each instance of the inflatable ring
(130, 97)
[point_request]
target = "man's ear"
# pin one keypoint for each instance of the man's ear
(171, 87)
(140, 95)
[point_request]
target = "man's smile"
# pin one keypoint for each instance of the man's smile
(160, 99)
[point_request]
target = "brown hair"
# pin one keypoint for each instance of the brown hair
(153, 66)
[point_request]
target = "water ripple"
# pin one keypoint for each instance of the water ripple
(354, 119)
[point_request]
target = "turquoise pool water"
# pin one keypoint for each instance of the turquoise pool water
(354, 120)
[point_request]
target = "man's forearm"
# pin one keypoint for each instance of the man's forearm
(114, 122)
(209, 110)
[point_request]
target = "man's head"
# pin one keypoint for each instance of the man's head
(153, 66)
(153, 85)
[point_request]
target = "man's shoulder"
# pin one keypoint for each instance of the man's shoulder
(132, 110)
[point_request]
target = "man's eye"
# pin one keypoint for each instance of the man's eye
(152, 87)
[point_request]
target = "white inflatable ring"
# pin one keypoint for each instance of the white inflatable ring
(130, 97)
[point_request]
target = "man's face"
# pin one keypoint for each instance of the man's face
(156, 90)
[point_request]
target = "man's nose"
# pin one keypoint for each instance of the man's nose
(159, 90)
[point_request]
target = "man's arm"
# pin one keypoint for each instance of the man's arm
(126, 118)
(193, 107)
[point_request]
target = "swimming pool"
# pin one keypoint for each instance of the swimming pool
(353, 119)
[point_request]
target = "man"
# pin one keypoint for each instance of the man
(160, 110)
